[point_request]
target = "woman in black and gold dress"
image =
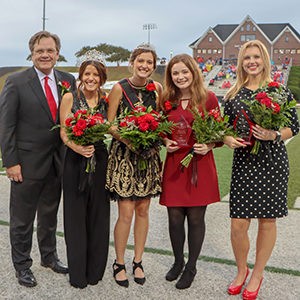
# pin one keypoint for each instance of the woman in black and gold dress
(130, 187)
(259, 181)
(86, 206)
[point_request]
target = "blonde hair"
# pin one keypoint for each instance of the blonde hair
(198, 90)
(241, 76)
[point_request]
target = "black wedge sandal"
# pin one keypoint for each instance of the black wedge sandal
(136, 265)
(117, 268)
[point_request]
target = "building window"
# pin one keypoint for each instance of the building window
(215, 51)
(204, 51)
(209, 51)
(287, 51)
(281, 51)
(293, 51)
(247, 37)
(199, 51)
(219, 50)
(254, 28)
(298, 51)
(286, 39)
(242, 28)
(210, 39)
(275, 51)
(248, 27)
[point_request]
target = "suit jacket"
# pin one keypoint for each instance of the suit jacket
(25, 125)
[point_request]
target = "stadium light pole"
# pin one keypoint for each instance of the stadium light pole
(44, 14)
(149, 27)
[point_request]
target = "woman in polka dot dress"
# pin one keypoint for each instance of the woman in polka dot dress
(259, 182)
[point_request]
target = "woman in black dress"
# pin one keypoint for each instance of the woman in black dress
(128, 185)
(86, 207)
(259, 182)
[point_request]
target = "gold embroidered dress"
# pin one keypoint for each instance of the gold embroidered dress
(124, 180)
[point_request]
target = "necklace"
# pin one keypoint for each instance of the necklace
(137, 86)
(138, 90)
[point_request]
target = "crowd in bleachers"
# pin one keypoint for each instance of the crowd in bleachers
(227, 74)
(277, 74)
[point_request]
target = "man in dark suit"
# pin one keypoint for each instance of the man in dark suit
(33, 154)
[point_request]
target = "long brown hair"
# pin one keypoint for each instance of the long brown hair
(101, 69)
(198, 90)
(242, 76)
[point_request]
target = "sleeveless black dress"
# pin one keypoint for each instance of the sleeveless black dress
(86, 211)
(124, 180)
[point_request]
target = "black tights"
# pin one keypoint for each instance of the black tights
(196, 232)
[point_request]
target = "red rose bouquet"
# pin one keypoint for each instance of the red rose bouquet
(270, 109)
(208, 127)
(86, 127)
(144, 128)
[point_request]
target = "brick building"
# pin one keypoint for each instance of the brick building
(223, 41)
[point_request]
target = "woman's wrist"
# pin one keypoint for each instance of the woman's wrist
(277, 136)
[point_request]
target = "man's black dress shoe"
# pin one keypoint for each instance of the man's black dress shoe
(26, 278)
(57, 266)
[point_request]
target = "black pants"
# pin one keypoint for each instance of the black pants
(86, 219)
(27, 199)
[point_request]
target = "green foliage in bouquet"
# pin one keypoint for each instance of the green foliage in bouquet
(144, 128)
(211, 127)
(208, 127)
(86, 127)
(270, 108)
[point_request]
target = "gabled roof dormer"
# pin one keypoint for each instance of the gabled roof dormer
(247, 19)
(195, 44)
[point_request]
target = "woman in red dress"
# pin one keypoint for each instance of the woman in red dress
(187, 191)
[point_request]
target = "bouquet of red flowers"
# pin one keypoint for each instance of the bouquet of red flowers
(86, 127)
(270, 108)
(144, 128)
(208, 127)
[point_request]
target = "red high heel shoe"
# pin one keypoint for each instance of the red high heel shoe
(236, 289)
(251, 295)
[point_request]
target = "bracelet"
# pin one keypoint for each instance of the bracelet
(278, 137)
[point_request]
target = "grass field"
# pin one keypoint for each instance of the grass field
(294, 179)
(223, 159)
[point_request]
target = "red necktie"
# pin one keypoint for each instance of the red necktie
(50, 99)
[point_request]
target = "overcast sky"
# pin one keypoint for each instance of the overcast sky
(118, 22)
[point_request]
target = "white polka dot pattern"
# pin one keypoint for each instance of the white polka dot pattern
(259, 182)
